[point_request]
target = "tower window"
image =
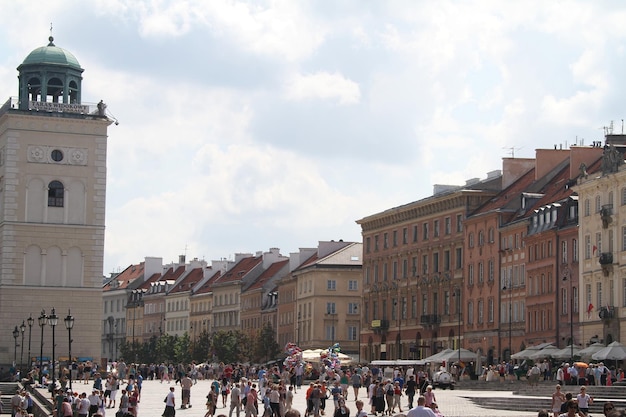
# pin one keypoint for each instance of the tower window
(55, 194)
(56, 155)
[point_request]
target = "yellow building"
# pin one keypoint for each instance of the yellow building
(602, 233)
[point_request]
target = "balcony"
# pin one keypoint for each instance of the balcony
(607, 313)
(380, 325)
(606, 258)
(429, 320)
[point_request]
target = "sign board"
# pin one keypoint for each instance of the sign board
(58, 107)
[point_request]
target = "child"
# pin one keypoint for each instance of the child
(359, 409)
(289, 398)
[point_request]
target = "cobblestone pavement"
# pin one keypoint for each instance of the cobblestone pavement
(451, 402)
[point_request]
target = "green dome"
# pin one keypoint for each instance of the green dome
(52, 55)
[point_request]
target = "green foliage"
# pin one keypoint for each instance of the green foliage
(265, 346)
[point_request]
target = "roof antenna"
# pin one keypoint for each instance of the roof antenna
(511, 150)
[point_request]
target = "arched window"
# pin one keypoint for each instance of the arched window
(55, 194)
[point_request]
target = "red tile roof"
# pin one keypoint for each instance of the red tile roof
(268, 274)
(186, 284)
(237, 272)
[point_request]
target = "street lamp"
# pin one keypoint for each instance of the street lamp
(510, 288)
(43, 319)
(566, 276)
(457, 295)
(397, 304)
(298, 329)
(22, 330)
(30, 320)
(16, 333)
(53, 320)
(69, 323)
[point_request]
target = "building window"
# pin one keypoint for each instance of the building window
(564, 301)
(446, 260)
(395, 238)
(598, 204)
(425, 231)
(481, 273)
(490, 310)
(470, 312)
(415, 229)
(55, 194)
(470, 274)
(587, 247)
(446, 302)
(436, 228)
(405, 236)
(424, 304)
(425, 264)
(436, 262)
(459, 223)
(331, 285)
(414, 304)
(480, 311)
(405, 268)
(385, 240)
(330, 332)
(352, 333)
(481, 238)
(376, 243)
(490, 271)
(368, 244)
(330, 308)
(459, 258)
(447, 225)
(564, 252)
(623, 196)
(587, 207)
(575, 250)
(353, 285)
(353, 308)
(599, 294)
(471, 240)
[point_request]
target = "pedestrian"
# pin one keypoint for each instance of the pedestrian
(185, 385)
(558, 398)
(421, 410)
(235, 401)
(170, 404)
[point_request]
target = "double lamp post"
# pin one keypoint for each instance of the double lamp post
(53, 320)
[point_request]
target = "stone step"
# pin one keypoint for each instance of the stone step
(532, 404)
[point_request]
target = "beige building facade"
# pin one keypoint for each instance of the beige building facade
(52, 206)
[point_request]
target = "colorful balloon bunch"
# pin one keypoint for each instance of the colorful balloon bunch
(294, 355)
(330, 358)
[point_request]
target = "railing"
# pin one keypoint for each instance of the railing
(430, 319)
(606, 258)
(13, 103)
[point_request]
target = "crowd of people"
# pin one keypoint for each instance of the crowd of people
(249, 391)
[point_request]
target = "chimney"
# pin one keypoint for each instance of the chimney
(514, 168)
(582, 155)
(547, 159)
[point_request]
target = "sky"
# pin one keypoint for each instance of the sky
(250, 125)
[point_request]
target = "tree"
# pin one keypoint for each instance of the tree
(230, 346)
(265, 346)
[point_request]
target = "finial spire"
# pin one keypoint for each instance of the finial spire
(51, 39)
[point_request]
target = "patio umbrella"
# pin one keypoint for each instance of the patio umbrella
(614, 351)
(464, 354)
(525, 354)
(566, 352)
(436, 358)
(591, 349)
(544, 353)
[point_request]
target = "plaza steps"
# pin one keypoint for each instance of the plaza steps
(531, 399)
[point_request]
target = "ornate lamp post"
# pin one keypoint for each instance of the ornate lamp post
(69, 323)
(43, 319)
(22, 330)
(53, 320)
(30, 320)
(16, 333)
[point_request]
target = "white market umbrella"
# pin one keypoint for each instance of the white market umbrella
(544, 353)
(465, 355)
(591, 349)
(436, 358)
(525, 354)
(614, 351)
(566, 352)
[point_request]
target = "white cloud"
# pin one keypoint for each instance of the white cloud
(322, 85)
